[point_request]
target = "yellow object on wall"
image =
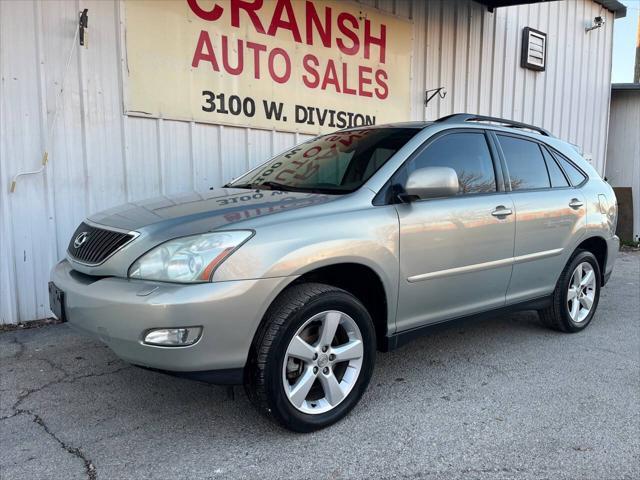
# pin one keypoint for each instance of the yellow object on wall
(310, 66)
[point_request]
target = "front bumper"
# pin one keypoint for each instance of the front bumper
(118, 311)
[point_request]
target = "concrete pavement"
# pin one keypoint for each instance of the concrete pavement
(503, 398)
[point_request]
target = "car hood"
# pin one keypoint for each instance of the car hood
(214, 209)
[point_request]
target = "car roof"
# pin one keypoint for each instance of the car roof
(417, 125)
(463, 120)
(467, 120)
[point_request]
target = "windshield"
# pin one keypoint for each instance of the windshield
(336, 163)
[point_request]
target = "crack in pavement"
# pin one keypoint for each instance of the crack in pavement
(26, 393)
(65, 379)
(53, 366)
(89, 467)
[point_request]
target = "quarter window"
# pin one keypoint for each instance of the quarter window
(555, 173)
(575, 176)
(525, 163)
(468, 154)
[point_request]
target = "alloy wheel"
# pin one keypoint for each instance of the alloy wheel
(581, 293)
(322, 362)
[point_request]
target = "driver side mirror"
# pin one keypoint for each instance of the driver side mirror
(431, 182)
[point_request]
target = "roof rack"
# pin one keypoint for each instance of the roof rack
(468, 117)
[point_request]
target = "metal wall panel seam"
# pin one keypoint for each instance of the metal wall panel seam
(607, 73)
(123, 133)
(8, 298)
(51, 248)
(582, 39)
(194, 173)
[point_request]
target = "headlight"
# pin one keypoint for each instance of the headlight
(188, 259)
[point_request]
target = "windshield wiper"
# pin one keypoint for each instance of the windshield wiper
(267, 186)
(278, 186)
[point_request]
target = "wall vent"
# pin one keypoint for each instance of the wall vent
(534, 49)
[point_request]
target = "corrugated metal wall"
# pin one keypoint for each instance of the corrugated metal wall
(623, 153)
(99, 158)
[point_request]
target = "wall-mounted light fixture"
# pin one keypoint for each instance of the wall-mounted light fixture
(534, 49)
(596, 23)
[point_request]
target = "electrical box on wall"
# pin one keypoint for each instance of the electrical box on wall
(534, 49)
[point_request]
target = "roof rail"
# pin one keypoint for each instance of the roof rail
(468, 117)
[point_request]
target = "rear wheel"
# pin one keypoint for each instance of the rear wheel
(576, 296)
(314, 357)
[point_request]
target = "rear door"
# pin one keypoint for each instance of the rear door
(549, 214)
(455, 252)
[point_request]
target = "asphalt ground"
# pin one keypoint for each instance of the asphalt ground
(502, 398)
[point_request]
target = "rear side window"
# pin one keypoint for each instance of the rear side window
(526, 165)
(555, 172)
(468, 154)
(576, 177)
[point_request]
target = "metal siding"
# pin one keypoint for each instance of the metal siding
(474, 55)
(459, 73)
(418, 60)
(445, 56)
(623, 152)
(8, 300)
(404, 8)
(234, 152)
(429, 78)
(177, 163)
(207, 161)
(22, 138)
(284, 140)
(142, 154)
(487, 52)
(101, 97)
(99, 158)
(554, 50)
(570, 98)
(526, 80)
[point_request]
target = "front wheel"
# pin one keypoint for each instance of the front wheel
(314, 357)
(576, 295)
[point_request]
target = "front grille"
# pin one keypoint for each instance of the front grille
(92, 245)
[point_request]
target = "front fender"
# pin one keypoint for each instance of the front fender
(369, 238)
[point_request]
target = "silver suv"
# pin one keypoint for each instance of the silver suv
(290, 278)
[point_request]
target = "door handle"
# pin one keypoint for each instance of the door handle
(575, 203)
(501, 211)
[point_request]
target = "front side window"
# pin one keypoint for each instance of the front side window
(468, 154)
(525, 163)
(337, 163)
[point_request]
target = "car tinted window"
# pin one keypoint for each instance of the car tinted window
(468, 154)
(336, 163)
(555, 173)
(525, 163)
(575, 176)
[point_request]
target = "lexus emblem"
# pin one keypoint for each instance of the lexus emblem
(80, 239)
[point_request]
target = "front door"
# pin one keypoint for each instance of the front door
(456, 252)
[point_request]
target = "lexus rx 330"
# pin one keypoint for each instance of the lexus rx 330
(290, 278)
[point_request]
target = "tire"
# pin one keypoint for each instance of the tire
(274, 372)
(560, 314)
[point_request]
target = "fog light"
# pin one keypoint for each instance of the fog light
(173, 337)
